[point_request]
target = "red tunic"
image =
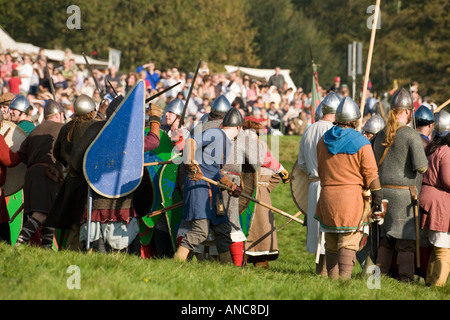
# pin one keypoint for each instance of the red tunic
(434, 197)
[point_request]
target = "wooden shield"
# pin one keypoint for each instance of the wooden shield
(249, 183)
(13, 204)
(113, 163)
(299, 188)
(165, 193)
(15, 177)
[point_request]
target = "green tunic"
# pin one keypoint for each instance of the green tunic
(26, 126)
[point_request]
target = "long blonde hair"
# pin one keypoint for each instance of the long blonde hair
(392, 126)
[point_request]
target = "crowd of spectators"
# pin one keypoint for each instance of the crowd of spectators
(280, 109)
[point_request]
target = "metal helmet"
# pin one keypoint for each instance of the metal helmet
(20, 103)
(83, 105)
(442, 123)
(424, 116)
(402, 100)
(374, 124)
(204, 117)
(330, 103)
(318, 115)
(176, 106)
(233, 118)
(51, 108)
(347, 111)
(221, 104)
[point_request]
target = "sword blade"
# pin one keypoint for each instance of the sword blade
(92, 75)
(160, 93)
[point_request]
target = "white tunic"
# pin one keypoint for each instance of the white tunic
(307, 161)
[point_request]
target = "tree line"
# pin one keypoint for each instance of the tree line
(412, 43)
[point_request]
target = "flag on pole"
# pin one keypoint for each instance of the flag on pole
(315, 95)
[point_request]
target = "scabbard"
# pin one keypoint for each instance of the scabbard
(415, 202)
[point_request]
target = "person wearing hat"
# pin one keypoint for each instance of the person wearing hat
(19, 109)
(372, 127)
(401, 162)
(170, 122)
(346, 165)
(205, 154)
(43, 175)
(434, 201)
(424, 118)
(5, 101)
(307, 162)
(8, 159)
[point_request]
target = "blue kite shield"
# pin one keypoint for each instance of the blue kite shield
(113, 163)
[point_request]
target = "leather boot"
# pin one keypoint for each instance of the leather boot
(321, 267)
(225, 258)
(181, 254)
(406, 268)
(384, 259)
(346, 262)
(331, 260)
(439, 267)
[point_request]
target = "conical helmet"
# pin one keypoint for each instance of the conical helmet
(233, 118)
(424, 116)
(402, 100)
(318, 115)
(330, 103)
(374, 124)
(221, 104)
(442, 123)
(51, 108)
(347, 111)
(20, 103)
(175, 106)
(83, 105)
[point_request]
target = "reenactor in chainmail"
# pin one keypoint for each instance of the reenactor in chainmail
(401, 162)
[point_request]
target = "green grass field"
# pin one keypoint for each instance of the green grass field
(28, 273)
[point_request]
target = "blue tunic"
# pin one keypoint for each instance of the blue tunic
(212, 148)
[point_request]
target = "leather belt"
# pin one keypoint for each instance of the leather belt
(389, 186)
(38, 164)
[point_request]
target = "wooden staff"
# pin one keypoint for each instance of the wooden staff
(163, 210)
(253, 199)
(284, 225)
(157, 163)
(369, 61)
(442, 106)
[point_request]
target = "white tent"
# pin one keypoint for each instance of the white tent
(263, 74)
(9, 44)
